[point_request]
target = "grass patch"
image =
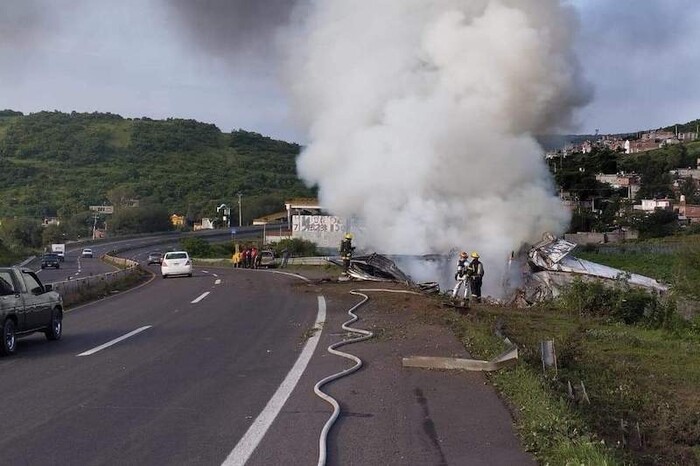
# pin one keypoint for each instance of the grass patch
(547, 425)
(679, 266)
(635, 377)
(104, 288)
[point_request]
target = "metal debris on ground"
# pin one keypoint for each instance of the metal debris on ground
(544, 270)
(378, 268)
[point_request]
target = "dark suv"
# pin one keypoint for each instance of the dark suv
(155, 258)
(50, 260)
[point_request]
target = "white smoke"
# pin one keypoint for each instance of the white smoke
(421, 116)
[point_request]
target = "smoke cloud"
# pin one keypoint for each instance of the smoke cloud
(236, 30)
(421, 116)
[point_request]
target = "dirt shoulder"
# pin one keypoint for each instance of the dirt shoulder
(398, 415)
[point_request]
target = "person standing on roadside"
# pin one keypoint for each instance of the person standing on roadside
(475, 270)
(285, 258)
(254, 257)
(461, 276)
(346, 249)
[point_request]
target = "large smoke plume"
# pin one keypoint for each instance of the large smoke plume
(240, 31)
(421, 116)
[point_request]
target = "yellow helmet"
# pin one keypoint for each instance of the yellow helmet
(475, 254)
(463, 254)
(348, 236)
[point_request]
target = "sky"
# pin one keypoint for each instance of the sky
(219, 61)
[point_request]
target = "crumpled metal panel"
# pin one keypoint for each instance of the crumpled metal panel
(552, 267)
(374, 267)
(548, 253)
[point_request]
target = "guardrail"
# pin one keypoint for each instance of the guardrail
(80, 289)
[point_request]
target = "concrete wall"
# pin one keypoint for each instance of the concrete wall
(583, 238)
(324, 230)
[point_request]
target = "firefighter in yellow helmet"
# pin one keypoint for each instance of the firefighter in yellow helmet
(461, 276)
(346, 250)
(475, 270)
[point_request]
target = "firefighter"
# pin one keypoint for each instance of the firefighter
(475, 270)
(346, 249)
(461, 276)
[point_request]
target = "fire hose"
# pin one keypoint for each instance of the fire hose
(333, 349)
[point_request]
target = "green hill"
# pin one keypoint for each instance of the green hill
(53, 163)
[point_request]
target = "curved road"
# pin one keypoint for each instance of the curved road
(181, 371)
(182, 391)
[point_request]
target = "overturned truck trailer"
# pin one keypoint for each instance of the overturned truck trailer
(548, 267)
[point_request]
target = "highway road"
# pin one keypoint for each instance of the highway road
(220, 368)
(136, 248)
(210, 353)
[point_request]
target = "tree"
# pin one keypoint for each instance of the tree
(196, 247)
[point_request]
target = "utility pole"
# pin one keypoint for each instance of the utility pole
(94, 225)
(240, 217)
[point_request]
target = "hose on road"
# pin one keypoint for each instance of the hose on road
(333, 349)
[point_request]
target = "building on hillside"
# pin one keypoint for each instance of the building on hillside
(640, 145)
(305, 219)
(630, 181)
(205, 224)
(301, 206)
(650, 205)
(50, 221)
(178, 221)
(688, 212)
(687, 137)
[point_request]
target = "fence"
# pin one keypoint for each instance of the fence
(79, 289)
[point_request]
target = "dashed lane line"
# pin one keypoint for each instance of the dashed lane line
(200, 297)
(115, 341)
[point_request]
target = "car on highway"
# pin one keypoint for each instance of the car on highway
(50, 260)
(27, 306)
(87, 252)
(176, 263)
(155, 257)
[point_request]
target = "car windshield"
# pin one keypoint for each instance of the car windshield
(156, 254)
(176, 255)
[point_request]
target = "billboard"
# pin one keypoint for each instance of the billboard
(102, 209)
(324, 230)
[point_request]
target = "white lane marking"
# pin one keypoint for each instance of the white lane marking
(215, 275)
(217, 281)
(115, 341)
(247, 445)
(205, 271)
(200, 297)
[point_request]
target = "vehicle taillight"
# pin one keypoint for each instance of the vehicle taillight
(164, 264)
(187, 263)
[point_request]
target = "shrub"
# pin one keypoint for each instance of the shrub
(295, 246)
(619, 303)
(196, 247)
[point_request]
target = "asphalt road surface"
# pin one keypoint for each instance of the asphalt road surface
(211, 370)
(183, 390)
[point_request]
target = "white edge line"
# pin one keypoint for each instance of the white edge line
(200, 297)
(249, 442)
(115, 341)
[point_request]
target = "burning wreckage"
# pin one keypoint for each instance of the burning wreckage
(534, 275)
(550, 267)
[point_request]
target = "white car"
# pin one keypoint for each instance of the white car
(87, 252)
(176, 263)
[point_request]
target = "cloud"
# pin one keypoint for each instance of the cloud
(643, 59)
(236, 30)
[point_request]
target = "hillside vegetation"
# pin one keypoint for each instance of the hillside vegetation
(53, 163)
